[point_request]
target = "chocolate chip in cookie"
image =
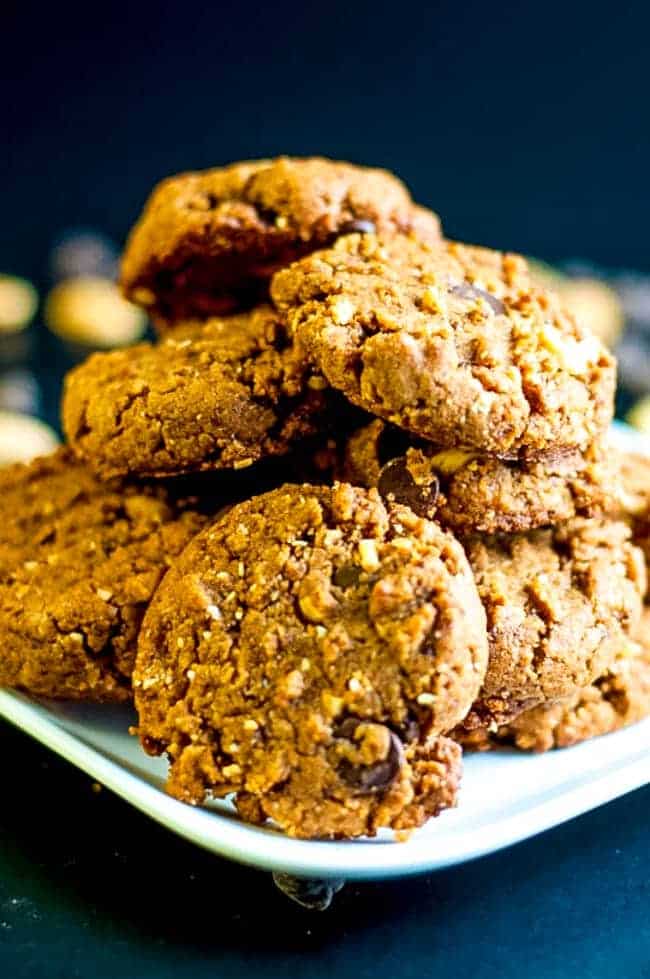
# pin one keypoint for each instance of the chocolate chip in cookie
(396, 483)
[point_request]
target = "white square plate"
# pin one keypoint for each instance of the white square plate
(505, 796)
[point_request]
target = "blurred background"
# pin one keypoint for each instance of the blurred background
(523, 125)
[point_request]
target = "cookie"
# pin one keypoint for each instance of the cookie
(559, 604)
(215, 395)
(305, 653)
(635, 478)
(207, 243)
(79, 561)
(453, 343)
(469, 492)
(635, 498)
(620, 697)
(590, 300)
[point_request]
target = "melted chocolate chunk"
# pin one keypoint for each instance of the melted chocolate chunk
(346, 576)
(395, 482)
(370, 778)
(267, 215)
(152, 746)
(409, 729)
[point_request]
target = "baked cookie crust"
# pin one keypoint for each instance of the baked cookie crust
(454, 343)
(620, 697)
(208, 242)
(79, 562)
(216, 395)
(306, 653)
(469, 492)
(560, 603)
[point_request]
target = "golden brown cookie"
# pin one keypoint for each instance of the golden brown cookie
(635, 474)
(208, 242)
(620, 697)
(305, 654)
(559, 604)
(215, 395)
(469, 492)
(635, 498)
(453, 343)
(591, 300)
(79, 561)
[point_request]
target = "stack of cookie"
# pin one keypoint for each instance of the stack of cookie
(353, 509)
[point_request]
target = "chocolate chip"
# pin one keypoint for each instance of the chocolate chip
(466, 291)
(377, 777)
(203, 202)
(409, 729)
(267, 215)
(359, 226)
(347, 728)
(347, 576)
(151, 745)
(395, 482)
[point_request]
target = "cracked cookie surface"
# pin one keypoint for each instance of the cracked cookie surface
(469, 492)
(79, 561)
(559, 604)
(451, 342)
(620, 697)
(215, 395)
(305, 653)
(208, 242)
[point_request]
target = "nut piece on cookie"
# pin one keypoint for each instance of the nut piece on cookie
(207, 243)
(469, 492)
(79, 561)
(306, 653)
(454, 343)
(220, 394)
(560, 603)
(620, 697)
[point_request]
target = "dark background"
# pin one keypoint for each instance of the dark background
(526, 126)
